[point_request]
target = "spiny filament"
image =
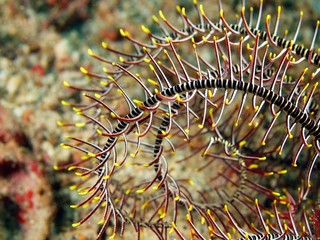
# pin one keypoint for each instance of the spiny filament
(209, 130)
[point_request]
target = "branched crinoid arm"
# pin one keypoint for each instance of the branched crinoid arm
(203, 132)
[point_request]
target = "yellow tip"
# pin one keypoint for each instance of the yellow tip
(268, 17)
(121, 59)
(55, 167)
(99, 131)
(64, 146)
(178, 8)
(122, 32)
(71, 168)
(276, 193)
(145, 29)
(112, 236)
(83, 70)
(155, 19)
(183, 11)
(140, 190)
(226, 208)
(73, 187)
(106, 177)
(90, 154)
(283, 171)
(113, 115)
(65, 103)
(201, 10)
(90, 52)
(242, 143)
(76, 224)
(151, 67)
(60, 124)
(66, 84)
(153, 82)
(279, 9)
(162, 16)
(104, 45)
(80, 125)
(102, 221)
(221, 13)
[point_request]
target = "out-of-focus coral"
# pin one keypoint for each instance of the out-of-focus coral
(315, 217)
(42, 44)
(25, 194)
(64, 14)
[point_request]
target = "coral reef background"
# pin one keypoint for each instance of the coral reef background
(43, 43)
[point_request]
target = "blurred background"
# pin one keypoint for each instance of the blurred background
(44, 43)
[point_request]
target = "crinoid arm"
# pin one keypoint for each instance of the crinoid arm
(205, 131)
